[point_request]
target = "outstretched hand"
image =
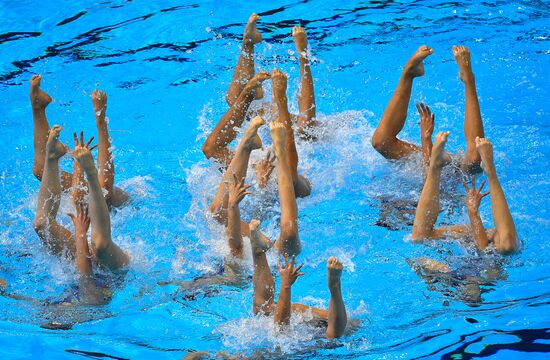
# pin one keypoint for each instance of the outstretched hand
(289, 273)
(237, 190)
(474, 196)
(82, 151)
(81, 220)
(264, 168)
(427, 120)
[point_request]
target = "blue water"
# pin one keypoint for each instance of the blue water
(166, 65)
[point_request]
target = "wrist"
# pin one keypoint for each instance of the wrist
(286, 284)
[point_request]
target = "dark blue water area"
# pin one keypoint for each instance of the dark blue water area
(166, 66)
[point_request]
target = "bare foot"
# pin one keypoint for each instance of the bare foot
(440, 157)
(258, 243)
(54, 148)
(279, 80)
(39, 99)
(278, 134)
(254, 85)
(251, 33)
(485, 149)
(415, 65)
(462, 58)
(300, 40)
(99, 101)
(251, 138)
(334, 267)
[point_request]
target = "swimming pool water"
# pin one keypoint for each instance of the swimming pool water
(166, 65)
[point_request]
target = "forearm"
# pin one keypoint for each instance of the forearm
(234, 235)
(427, 149)
(83, 261)
(478, 231)
(282, 312)
(78, 184)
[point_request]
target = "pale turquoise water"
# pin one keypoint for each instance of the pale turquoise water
(166, 66)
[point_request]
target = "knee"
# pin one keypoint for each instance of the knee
(289, 230)
(378, 142)
(39, 225)
(209, 148)
(508, 243)
(37, 172)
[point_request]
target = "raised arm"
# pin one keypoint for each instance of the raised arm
(427, 121)
(81, 223)
(473, 200)
(289, 274)
(505, 236)
(237, 191)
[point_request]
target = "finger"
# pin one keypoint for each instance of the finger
(293, 261)
(299, 267)
(75, 139)
(279, 266)
(72, 216)
(418, 108)
(286, 261)
(235, 179)
(485, 194)
(428, 110)
(247, 193)
(89, 141)
(81, 137)
(300, 274)
(473, 177)
(433, 117)
(465, 184)
(93, 147)
(482, 185)
(247, 186)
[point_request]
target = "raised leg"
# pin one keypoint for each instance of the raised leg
(337, 317)
(244, 71)
(288, 242)
(216, 144)
(428, 205)
(39, 101)
(237, 168)
(114, 196)
(264, 286)
(306, 94)
(302, 187)
(55, 236)
(107, 252)
(505, 236)
(385, 139)
(473, 125)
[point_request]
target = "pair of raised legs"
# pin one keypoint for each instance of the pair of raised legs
(385, 139)
(335, 319)
(245, 87)
(227, 213)
(503, 236)
(58, 238)
(39, 101)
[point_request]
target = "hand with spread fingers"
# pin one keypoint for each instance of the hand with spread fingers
(264, 168)
(289, 273)
(237, 190)
(427, 120)
(81, 220)
(82, 151)
(474, 196)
